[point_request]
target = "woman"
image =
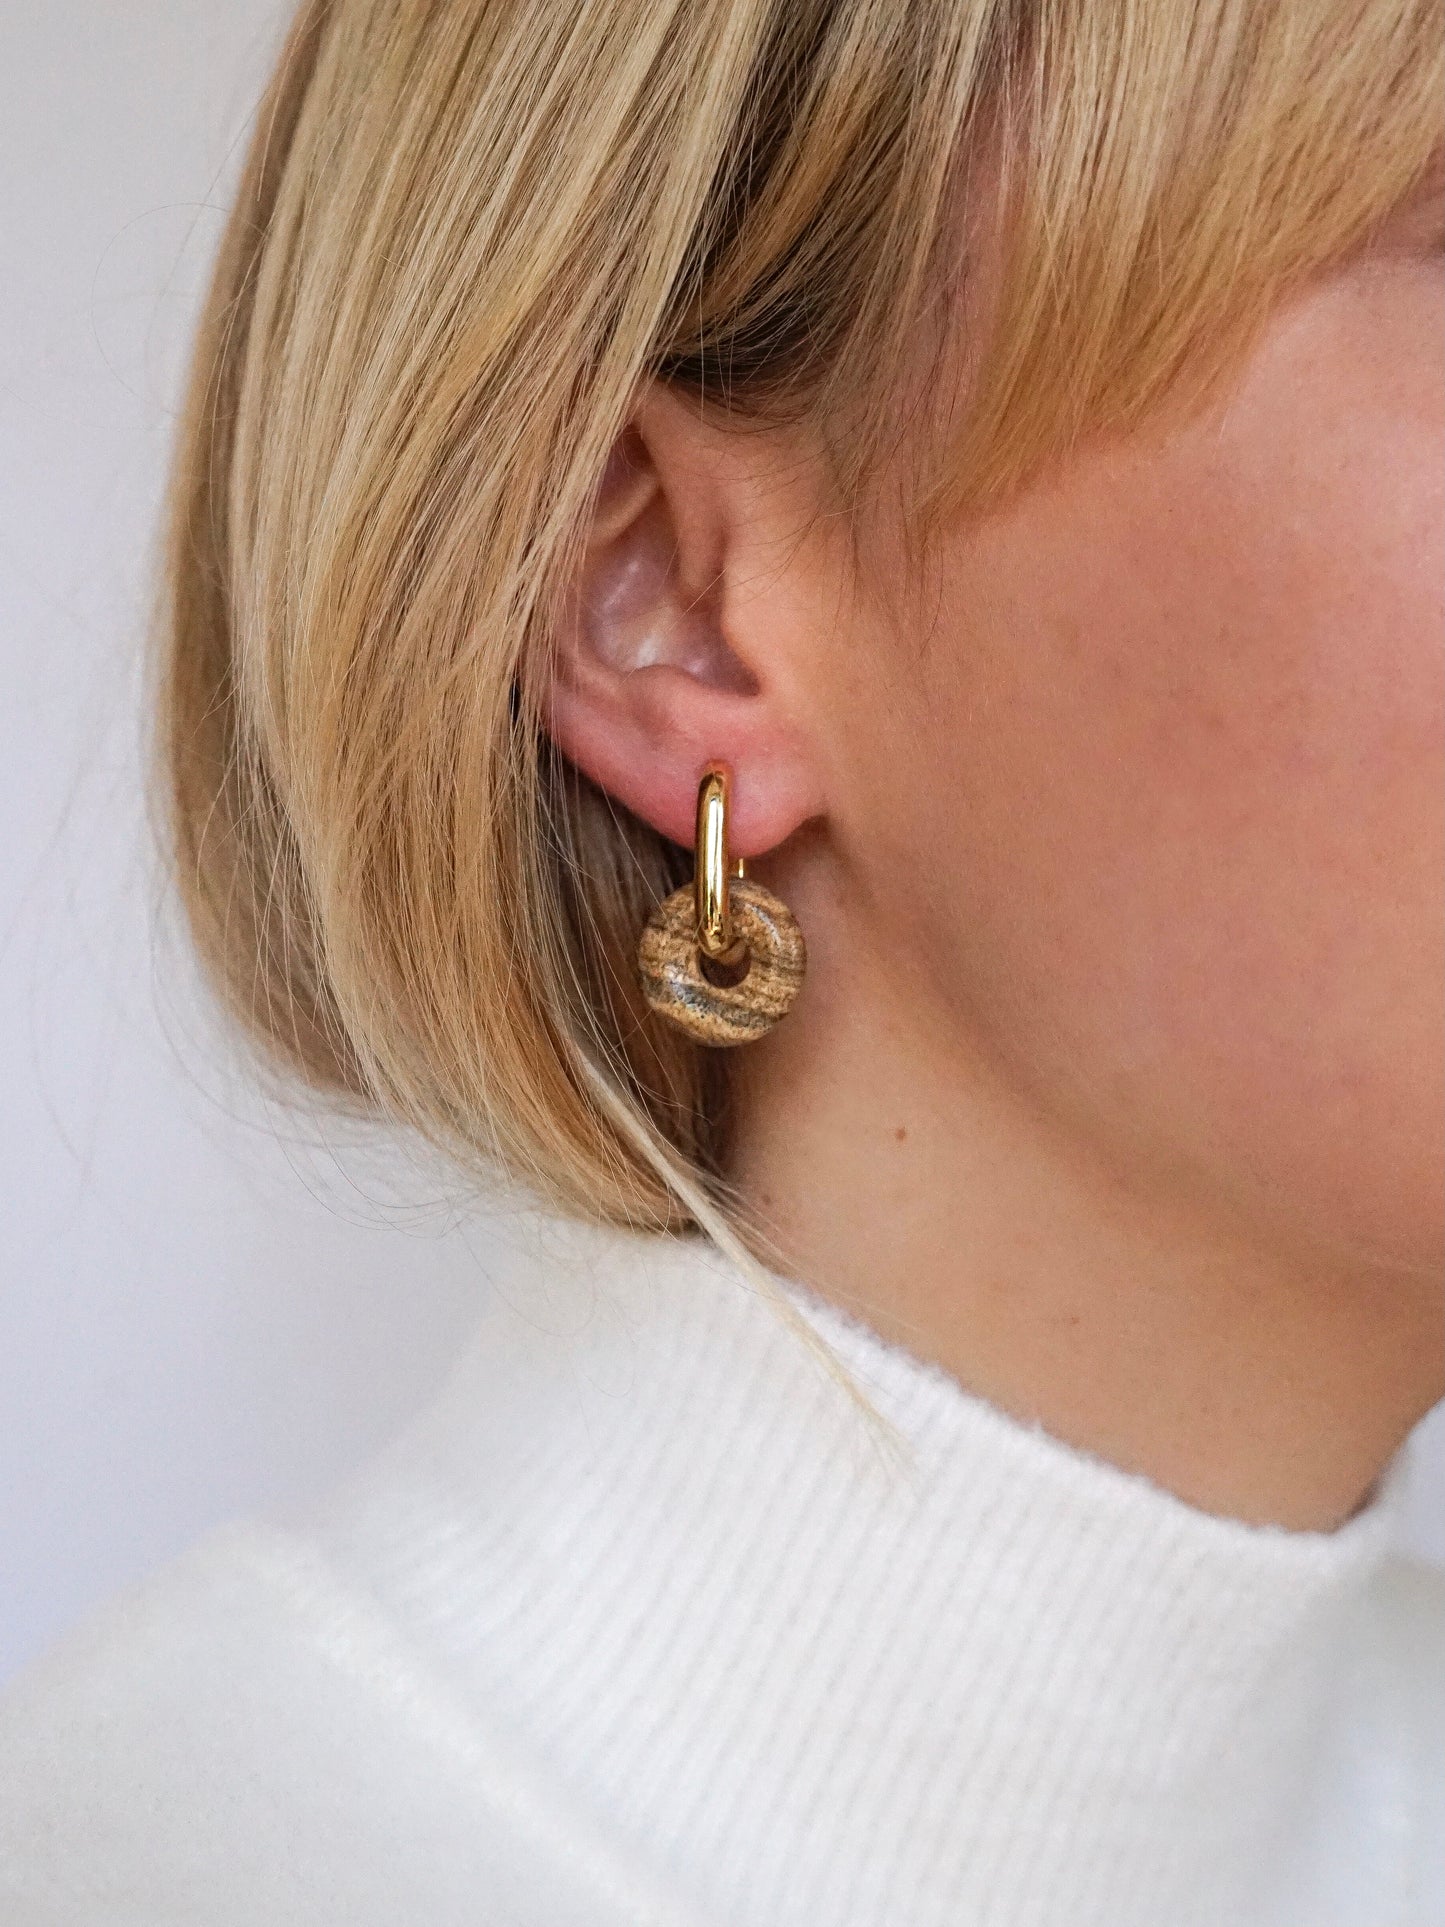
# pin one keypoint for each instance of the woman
(976, 462)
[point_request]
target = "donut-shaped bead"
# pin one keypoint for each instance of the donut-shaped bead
(723, 1013)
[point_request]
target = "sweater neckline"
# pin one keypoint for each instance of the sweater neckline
(934, 1411)
(992, 1678)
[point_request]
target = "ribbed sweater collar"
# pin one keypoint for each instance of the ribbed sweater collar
(983, 1678)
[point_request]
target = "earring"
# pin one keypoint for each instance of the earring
(724, 959)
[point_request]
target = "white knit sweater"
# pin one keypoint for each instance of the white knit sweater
(640, 1624)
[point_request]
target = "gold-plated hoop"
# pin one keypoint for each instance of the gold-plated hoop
(711, 881)
(722, 959)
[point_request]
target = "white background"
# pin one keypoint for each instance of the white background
(199, 1310)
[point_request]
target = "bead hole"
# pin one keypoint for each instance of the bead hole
(725, 973)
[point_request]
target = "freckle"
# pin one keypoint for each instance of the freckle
(901, 1133)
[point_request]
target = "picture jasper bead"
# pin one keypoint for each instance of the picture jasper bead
(723, 1012)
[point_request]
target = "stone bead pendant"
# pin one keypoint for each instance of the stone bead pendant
(723, 1004)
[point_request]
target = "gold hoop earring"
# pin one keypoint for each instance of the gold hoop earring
(723, 959)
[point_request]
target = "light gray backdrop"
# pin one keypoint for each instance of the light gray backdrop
(199, 1309)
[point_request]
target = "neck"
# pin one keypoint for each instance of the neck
(902, 1179)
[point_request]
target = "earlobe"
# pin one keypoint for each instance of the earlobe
(650, 681)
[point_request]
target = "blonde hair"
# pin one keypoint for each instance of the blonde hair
(467, 231)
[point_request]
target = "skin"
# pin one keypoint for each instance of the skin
(1118, 1084)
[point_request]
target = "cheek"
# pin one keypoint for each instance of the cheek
(1198, 766)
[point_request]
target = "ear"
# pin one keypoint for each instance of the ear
(679, 645)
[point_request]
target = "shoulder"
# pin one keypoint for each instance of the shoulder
(246, 1738)
(1410, 1669)
(268, 1730)
(1409, 1600)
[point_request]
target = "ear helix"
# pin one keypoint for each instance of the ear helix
(724, 958)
